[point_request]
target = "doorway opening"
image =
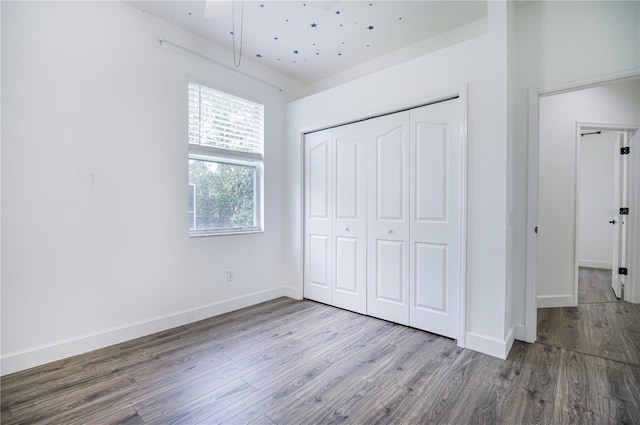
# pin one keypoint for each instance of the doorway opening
(602, 199)
(555, 284)
(580, 298)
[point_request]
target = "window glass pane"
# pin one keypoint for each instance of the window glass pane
(223, 195)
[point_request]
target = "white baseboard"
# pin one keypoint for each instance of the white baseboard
(551, 301)
(36, 356)
(291, 292)
(596, 264)
(492, 346)
(510, 338)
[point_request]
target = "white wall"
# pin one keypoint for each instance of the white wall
(595, 233)
(95, 247)
(615, 103)
(480, 63)
(559, 43)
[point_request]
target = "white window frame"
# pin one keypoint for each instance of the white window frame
(208, 153)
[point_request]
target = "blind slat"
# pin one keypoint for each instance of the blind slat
(224, 121)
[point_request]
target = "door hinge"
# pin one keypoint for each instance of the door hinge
(622, 271)
(625, 150)
(624, 211)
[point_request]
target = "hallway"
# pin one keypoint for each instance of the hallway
(600, 325)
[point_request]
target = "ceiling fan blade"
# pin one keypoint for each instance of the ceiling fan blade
(326, 5)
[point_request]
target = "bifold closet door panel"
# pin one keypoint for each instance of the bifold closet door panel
(388, 217)
(318, 246)
(349, 218)
(436, 153)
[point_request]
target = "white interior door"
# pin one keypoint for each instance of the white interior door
(632, 260)
(318, 245)
(388, 217)
(435, 146)
(350, 220)
(619, 220)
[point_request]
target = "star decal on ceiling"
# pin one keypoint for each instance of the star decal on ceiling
(295, 52)
(370, 27)
(314, 25)
(258, 55)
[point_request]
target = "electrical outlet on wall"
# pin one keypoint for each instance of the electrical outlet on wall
(229, 275)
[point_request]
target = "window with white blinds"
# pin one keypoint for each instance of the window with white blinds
(226, 145)
(222, 121)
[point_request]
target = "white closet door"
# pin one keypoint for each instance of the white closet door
(388, 217)
(436, 152)
(318, 267)
(350, 220)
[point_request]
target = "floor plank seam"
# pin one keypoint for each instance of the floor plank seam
(271, 419)
(254, 388)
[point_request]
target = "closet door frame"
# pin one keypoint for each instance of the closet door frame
(462, 94)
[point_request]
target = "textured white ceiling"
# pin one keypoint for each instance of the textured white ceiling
(311, 40)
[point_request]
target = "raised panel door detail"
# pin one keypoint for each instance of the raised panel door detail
(431, 174)
(431, 277)
(347, 182)
(347, 265)
(318, 175)
(318, 206)
(390, 271)
(390, 175)
(349, 284)
(388, 209)
(318, 256)
(436, 181)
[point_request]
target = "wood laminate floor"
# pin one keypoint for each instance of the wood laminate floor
(600, 325)
(300, 362)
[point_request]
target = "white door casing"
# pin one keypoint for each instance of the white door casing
(435, 218)
(388, 218)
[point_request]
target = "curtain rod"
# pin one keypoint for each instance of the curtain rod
(588, 134)
(164, 41)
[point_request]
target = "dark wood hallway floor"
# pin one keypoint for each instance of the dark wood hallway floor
(600, 325)
(300, 362)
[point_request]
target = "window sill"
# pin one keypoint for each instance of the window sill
(225, 233)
